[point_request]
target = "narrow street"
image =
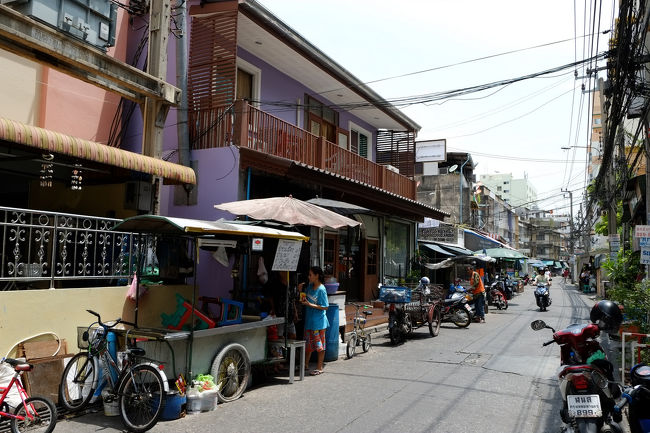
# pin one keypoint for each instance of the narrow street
(488, 377)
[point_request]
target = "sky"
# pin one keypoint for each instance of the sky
(519, 128)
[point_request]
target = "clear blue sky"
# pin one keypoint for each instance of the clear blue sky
(525, 122)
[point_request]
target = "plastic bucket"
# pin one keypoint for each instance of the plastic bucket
(332, 333)
(173, 406)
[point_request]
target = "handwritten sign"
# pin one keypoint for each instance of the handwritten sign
(287, 255)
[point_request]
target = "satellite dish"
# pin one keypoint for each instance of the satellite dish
(453, 168)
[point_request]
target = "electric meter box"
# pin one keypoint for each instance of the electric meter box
(92, 21)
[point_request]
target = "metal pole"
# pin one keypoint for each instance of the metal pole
(460, 216)
(181, 82)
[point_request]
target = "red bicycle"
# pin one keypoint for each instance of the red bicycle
(34, 414)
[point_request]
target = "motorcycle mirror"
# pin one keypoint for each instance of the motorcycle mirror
(537, 325)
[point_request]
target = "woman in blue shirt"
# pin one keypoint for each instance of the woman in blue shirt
(316, 323)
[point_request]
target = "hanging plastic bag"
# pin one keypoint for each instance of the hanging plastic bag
(262, 274)
(132, 293)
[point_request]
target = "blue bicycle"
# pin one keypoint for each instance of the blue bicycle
(139, 386)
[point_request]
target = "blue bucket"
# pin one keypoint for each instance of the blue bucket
(173, 406)
(332, 333)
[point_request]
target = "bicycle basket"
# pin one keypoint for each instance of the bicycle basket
(394, 294)
(92, 339)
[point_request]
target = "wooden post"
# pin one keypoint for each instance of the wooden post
(241, 123)
(321, 155)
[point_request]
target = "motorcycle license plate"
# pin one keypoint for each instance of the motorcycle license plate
(584, 406)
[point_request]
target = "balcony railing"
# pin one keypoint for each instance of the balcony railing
(258, 130)
(47, 246)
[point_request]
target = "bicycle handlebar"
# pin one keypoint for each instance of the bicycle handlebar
(359, 305)
(105, 326)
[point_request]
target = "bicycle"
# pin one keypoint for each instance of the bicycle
(33, 414)
(139, 386)
(359, 334)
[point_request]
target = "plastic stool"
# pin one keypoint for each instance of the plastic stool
(182, 314)
(231, 311)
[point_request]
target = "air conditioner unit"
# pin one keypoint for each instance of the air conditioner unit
(391, 168)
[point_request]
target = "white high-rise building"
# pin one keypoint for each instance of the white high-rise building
(515, 192)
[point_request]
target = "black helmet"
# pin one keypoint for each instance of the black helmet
(607, 316)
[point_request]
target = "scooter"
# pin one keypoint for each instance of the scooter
(586, 380)
(637, 397)
(497, 298)
(455, 309)
(542, 296)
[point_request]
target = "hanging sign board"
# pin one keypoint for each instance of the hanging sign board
(642, 231)
(258, 244)
(645, 255)
(287, 255)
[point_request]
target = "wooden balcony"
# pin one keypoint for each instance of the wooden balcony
(260, 131)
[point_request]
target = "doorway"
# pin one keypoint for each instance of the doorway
(371, 254)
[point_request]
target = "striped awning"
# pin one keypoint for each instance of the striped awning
(55, 142)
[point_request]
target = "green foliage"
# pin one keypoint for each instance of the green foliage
(626, 290)
(602, 226)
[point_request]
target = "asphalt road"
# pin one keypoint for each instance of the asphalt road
(492, 377)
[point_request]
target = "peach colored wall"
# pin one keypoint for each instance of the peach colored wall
(19, 88)
(73, 107)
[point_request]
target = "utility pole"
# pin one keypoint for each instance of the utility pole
(155, 113)
(571, 240)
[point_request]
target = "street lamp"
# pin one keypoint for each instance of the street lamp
(460, 183)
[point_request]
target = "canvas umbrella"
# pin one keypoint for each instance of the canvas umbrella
(501, 253)
(288, 210)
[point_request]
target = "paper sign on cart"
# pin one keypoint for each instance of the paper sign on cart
(287, 255)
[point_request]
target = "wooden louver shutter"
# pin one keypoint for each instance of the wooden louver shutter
(212, 70)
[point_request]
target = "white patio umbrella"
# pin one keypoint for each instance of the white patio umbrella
(288, 210)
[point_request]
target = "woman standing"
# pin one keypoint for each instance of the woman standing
(316, 323)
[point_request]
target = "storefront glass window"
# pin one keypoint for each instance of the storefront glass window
(397, 247)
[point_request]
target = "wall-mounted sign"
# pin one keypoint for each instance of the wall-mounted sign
(440, 234)
(431, 151)
(258, 244)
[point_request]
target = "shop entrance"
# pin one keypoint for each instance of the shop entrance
(371, 254)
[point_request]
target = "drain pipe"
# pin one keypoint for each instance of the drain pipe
(184, 156)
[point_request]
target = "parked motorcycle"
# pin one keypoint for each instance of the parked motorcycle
(542, 296)
(505, 285)
(586, 377)
(456, 310)
(399, 322)
(637, 397)
(496, 297)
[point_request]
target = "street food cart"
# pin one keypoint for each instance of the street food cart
(225, 351)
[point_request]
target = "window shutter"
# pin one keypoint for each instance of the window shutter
(212, 68)
(363, 145)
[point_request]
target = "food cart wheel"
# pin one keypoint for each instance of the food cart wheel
(231, 369)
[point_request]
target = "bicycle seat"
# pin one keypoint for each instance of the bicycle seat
(367, 313)
(135, 351)
(19, 365)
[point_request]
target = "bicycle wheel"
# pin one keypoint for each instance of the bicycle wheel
(367, 342)
(434, 324)
(77, 383)
(231, 369)
(350, 348)
(141, 397)
(39, 414)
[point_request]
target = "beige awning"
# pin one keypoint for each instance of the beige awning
(55, 142)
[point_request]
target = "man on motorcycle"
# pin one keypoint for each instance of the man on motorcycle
(478, 290)
(542, 278)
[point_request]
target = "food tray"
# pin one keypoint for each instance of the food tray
(395, 294)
